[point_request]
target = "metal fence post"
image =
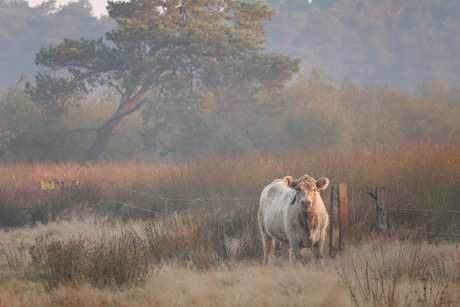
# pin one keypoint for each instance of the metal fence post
(113, 193)
(73, 185)
(382, 222)
(343, 215)
(380, 209)
(331, 220)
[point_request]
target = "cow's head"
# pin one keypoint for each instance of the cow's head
(306, 189)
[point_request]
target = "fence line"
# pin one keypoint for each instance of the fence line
(166, 199)
(60, 189)
(432, 233)
(381, 210)
(187, 199)
(235, 199)
(145, 194)
(93, 188)
(132, 206)
(423, 210)
(341, 198)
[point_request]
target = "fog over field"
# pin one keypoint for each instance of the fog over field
(160, 127)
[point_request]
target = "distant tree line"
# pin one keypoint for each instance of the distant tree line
(396, 42)
(315, 112)
(24, 30)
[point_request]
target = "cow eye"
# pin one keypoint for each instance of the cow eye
(297, 189)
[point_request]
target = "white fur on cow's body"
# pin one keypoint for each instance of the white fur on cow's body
(294, 225)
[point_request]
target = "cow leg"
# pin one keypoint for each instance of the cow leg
(296, 250)
(318, 246)
(267, 240)
(269, 247)
(286, 251)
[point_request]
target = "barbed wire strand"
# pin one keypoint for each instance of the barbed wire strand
(187, 199)
(432, 233)
(88, 188)
(236, 199)
(132, 206)
(145, 194)
(423, 210)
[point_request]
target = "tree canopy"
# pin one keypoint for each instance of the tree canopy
(170, 47)
(24, 29)
(396, 42)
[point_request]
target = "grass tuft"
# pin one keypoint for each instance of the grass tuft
(121, 261)
(58, 263)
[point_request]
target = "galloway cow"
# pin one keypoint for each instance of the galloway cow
(293, 212)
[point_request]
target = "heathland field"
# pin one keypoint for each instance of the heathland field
(146, 239)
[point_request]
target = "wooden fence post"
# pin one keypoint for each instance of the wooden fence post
(343, 215)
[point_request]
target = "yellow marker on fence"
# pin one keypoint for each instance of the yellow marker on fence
(48, 186)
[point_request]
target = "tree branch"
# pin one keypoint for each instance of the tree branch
(122, 114)
(115, 87)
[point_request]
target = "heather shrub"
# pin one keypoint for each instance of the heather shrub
(120, 261)
(58, 263)
(206, 238)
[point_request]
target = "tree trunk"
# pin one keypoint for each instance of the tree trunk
(102, 138)
(127, 106)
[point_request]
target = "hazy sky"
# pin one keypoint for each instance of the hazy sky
(98, 5)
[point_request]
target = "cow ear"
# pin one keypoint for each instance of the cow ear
(322, 183)
(290, 182)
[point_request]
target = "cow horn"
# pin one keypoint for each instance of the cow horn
(293, 200)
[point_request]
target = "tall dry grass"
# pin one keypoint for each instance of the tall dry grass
(87, 248)
(418, 176)
(375, 272)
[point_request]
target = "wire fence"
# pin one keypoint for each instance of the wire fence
(426, 210)
(113, 196)
(432, 233)
(59, 187)
(114, 189)
(136, 207)
(423, 210)
(382, 214)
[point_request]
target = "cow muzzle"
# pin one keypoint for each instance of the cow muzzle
(305, 203)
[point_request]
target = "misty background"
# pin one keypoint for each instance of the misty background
(372, 72)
